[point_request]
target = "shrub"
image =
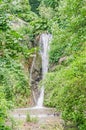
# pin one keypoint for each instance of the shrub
(66, 91)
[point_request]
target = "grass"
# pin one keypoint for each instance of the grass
(31, 119)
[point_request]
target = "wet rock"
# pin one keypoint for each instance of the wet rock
(35, 75)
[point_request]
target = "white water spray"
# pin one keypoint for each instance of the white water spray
(44, 47)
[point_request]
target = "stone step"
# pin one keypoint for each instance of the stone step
(47, 118)
(34, 112)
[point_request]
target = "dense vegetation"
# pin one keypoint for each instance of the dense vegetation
(14, 81)
(65, 84)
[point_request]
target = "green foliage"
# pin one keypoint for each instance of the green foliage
(68, 29)
(3, 110)
(66, 86)
(20, 9)
(46, 12)
(39, 26)
(31, 119)
(14, 85)
(14, 80)
(34, 5)
(3, 23)
(51, 3)
(28, 118)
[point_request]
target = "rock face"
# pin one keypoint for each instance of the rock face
(35, 75)
(62, 59)
(35, 70)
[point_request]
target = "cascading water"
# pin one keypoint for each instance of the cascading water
(34, 59)
(44, 47)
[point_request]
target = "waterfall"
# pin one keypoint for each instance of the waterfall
(44, 47)
(31, 70)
